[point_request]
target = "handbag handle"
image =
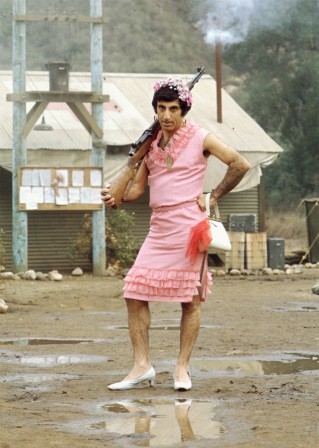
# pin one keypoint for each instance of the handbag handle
(207, 204)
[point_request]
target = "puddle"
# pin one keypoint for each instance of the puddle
(163, 324)
(30, 378)
(52, 360)
(47, 341)
(155, 422)
(299, 306)
(38, 383)
(277, 365)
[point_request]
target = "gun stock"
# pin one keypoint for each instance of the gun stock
(121, 184)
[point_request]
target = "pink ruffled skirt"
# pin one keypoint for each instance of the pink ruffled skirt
(162, 272)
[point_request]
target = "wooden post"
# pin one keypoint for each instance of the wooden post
(98, 217)
(19, 151)
(262, 205)
(218, 68)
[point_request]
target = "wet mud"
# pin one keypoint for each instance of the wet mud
(254, 368)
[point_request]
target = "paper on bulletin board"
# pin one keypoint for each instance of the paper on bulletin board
(74, 196)
(95, 178)
(62, 177)
(62, 197)
(75, 188)
(45, 177)
(25, 195)
(49, 195)
(77, 178)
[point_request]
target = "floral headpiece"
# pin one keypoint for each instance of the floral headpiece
(184, 93)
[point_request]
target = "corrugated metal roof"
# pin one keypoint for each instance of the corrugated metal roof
(129, 112)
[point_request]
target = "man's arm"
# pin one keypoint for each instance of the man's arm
(135, 189)
(237, 166)
(138, 184)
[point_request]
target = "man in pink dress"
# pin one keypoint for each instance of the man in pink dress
(174, 168)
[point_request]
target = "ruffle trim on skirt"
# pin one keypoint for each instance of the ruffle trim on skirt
(162, 285)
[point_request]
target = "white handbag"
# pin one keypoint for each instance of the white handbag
(220, 239)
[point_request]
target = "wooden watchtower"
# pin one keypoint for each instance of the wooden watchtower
(23, 122)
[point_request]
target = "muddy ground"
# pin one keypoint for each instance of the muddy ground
(254, 368)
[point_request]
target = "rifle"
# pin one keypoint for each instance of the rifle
(121, 184)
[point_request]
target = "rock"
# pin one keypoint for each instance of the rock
(110, 272)
(55, 276)
(7, 275)
(278, 272)
(289, 271)
(267, 271)
(3, 307)
(30, 275)
(315, 289)
(310, 265)
(245, 272)
(220, 273)
(234, 272)
(77, 272)
(41, 276)
(297, 270)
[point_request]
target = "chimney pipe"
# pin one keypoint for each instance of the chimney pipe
(218, 69)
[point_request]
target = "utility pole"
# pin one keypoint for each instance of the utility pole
(19, 149)
(98, 217)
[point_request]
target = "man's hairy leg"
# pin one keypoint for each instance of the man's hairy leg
(139, 321)
(189, 328)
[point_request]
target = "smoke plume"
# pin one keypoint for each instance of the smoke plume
(230, 21)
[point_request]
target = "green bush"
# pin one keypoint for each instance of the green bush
(121, 245)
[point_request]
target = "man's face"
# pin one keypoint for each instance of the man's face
(169, 115)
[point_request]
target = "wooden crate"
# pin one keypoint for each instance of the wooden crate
(256, 250)
(235, 258)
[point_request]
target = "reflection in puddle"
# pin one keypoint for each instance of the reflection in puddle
(45, 341)
(158, 422)
(30, 378)
(292, 364)
(163, 324)
(52, 360)
(161, 327)
(297, 306)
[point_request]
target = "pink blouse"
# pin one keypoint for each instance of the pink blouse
(176, 173)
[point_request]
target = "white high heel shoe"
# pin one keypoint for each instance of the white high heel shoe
(183, 385)
(130, 384)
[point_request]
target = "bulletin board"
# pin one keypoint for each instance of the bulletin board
(70, 188)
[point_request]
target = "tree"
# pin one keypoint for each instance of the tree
(142, 36)
(280, 69)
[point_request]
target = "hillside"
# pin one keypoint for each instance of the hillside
(142, 36)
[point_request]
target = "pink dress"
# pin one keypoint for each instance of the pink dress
(162, 272)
